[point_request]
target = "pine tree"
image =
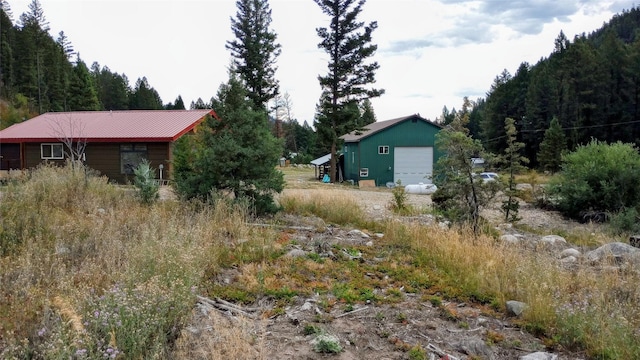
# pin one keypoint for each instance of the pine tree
(552, 147)
(255, 50)
(513, 162)
(235, 153)
(144, 97)
(348, 44)
(82, 92)
(368, 115)
(460, 194)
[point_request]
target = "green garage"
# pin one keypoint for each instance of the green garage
(401, 149)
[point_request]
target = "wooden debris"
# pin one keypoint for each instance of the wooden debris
(225, 306)
(351, 312)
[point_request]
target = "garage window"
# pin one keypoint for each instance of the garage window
(51, 151)
(383, 149)
(364, 172)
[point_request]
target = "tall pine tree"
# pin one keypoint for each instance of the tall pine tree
(347, 41)
(255, 50)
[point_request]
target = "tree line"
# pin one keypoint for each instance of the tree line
(40, 73)
(590, 85)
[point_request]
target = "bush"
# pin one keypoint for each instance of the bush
(626, 220)
(598, 177)
(145, 181)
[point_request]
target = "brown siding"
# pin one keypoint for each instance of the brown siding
(105, 158)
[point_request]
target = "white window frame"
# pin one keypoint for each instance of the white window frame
(383, 149)
(364, 172)
(51, 147)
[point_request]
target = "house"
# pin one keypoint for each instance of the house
(401, 149)
(111, 142)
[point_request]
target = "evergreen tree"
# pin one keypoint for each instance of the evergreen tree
(255, 50)
(235, 153)
(368, 115)
(82, 93)
(144, 97)
(513, 162)
(348, 43)
(179, 104)
(460, 194)
(552, 147)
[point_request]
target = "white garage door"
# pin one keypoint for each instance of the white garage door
(413, 165)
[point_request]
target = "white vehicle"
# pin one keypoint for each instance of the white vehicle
(489, 176)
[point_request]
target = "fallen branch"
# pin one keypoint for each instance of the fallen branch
(299, 228)
(220, 304)
(351, 312)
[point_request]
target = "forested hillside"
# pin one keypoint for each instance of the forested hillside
(591, 84)
(41, 74)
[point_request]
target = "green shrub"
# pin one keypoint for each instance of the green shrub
(400, 197)
(626, 220)
(598, 177)
(145, 182)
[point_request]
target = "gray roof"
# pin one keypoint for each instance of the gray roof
(321, 160)
(356, 136)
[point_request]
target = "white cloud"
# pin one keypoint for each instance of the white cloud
(431, 53)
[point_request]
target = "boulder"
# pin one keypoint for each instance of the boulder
(539, 356)
(510, 239)
(295, 253)
(475, 347)
(553, 240)
(358, 233)
(616, 251)
(515, 307)
(570, 252)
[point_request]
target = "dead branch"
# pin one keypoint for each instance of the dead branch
(222, 305)
(351, 312)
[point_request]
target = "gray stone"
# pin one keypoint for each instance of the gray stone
(526, 187)
(295, 253)
(379, 235)
(358, 233)
(615, 251)
(569, 260)
(377, 207)
(570, 252)
(515, 307)
(539, 356)
(475, 347)
(553, 240)
(510, 239)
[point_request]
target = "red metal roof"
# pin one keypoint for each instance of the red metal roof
(106, 126)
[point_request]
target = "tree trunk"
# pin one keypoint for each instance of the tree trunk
(332, 163)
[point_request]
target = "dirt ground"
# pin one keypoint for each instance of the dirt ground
(374, 331)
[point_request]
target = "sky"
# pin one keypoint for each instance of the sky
(431, 53)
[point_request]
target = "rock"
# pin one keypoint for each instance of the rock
(510, 239)
(515, 307)
(444, 224)
(377, 207)
(553, 240)
(101, 211)
(616, 251)
(569, 260)
(295, 253)
(369, 243)
(379, 235)
(359, 233)
(539, 356)
(570, 252)
(526, 187)
(475, 347)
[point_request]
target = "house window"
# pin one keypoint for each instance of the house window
(364, 172)
(51, 151)
(131, 155)
(383, 149)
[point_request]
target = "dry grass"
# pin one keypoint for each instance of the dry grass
(87, 271)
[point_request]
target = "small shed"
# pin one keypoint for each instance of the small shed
(401, 149)
(322, 166)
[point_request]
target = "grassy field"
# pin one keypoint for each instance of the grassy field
(87, 271)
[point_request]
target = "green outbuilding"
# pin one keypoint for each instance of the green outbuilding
(401, 149)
